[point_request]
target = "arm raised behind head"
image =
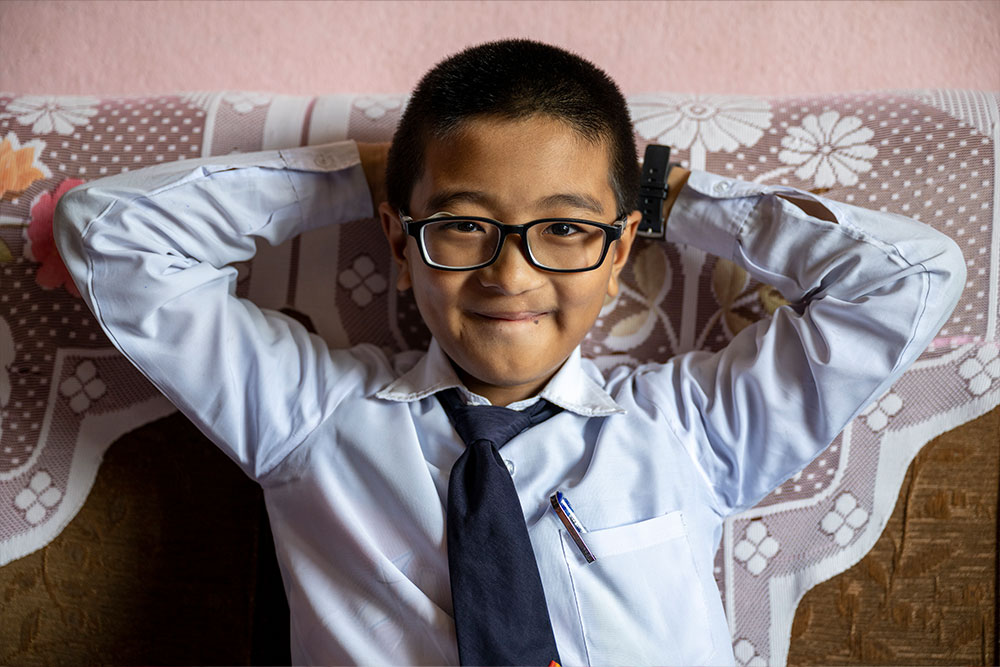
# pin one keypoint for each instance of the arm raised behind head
(867, 292)
(152, 254)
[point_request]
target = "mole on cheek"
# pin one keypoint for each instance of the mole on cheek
(536, 321)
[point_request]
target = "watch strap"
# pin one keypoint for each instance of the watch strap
(653, 190)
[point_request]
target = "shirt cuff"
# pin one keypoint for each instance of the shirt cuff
(709, 212)
(350, 199)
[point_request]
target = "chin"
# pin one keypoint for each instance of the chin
(511, 375)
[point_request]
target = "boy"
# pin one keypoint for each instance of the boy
(357, 452)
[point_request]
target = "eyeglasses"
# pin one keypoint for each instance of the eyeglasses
(463, 243)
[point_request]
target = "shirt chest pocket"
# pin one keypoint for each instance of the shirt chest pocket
(641, 601)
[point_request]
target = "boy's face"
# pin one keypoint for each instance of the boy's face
(508, 327)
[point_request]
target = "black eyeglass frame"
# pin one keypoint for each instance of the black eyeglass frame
(414, 228)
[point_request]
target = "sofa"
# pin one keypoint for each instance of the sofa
(125, 537)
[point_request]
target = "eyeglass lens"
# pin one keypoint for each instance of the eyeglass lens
(459, 243)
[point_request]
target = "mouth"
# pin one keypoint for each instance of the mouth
(512, 315)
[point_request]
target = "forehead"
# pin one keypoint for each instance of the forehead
(513, 165)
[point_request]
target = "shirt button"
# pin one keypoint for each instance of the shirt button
(721, 186)
(510, 466)
(323, 161)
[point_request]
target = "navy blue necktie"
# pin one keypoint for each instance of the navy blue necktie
(496, 592)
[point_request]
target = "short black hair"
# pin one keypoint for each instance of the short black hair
(513, 80)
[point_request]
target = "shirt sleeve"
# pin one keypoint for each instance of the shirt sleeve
(868, 292)
(152, 254)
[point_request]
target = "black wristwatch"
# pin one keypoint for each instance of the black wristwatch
(653, 191)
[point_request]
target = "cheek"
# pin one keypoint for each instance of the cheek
(582, 300)
(436, 294)
(427, 304)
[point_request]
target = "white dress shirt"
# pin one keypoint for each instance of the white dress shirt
(354, 451)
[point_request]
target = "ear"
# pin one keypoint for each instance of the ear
(621, 249)
(398, 243)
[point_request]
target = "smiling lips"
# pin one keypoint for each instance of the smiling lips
(512, 316)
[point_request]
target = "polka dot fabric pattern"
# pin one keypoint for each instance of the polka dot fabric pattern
(66, 394)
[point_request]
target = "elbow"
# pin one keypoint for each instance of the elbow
(945, 272)
(74, 212)
(950, 273)
(70, 215)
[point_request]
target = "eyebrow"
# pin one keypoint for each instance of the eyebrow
(441, 200)
(574, 200)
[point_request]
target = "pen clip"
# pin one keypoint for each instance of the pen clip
(563, 510)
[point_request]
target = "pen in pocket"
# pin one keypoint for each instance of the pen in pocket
(563, 510)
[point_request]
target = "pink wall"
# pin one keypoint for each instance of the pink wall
(312, 47)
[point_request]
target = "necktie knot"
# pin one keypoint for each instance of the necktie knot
(490, 422)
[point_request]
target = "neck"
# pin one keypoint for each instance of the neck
(502, 395)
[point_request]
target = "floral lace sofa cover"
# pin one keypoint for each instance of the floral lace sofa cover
(66, 394)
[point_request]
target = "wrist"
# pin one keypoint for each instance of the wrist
(676, 180)
(373, 160)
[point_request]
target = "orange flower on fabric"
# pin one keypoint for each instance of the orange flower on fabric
(41, 244)
(19, 165)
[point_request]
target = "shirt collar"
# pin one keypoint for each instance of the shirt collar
(571, 388)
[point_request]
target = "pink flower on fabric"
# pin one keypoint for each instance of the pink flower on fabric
(41, 245)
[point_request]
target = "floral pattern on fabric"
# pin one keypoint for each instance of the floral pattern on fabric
(880, 412)
(41, 246)
(829, 149)
(52, 114)
(20, 165)
(36, 499)
(844, 519)
(246, 102)
(83, 387)
(363, 281)
(701, 123)
(377, 106)
(756, 548)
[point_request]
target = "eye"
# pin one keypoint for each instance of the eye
(462, 226)
(562, 229)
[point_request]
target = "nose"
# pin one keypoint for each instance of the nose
(511, 273)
